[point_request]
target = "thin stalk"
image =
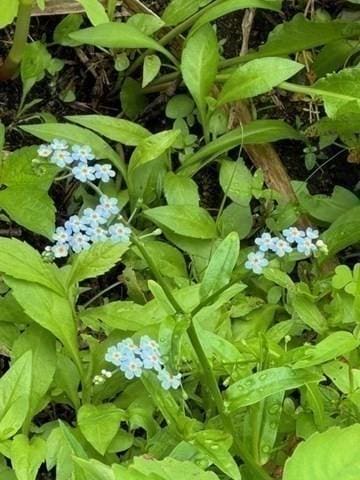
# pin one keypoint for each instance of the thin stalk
(12, 62)
(208, 373)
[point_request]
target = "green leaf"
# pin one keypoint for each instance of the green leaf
(190, 221)
(99, 424)
(92, 470)
(9, 9)
(43, 347)
(334, 56)
(302, 34)
(180, 190)
(67, 378)
(75, 134)
(98, 259)
(117, 129)
(31, 208)
(335, 345)
(330, 455)
(166, 469)
(69, 24)
(260, 385)
(151, 148)
(146, 22)
(236, 181)
(309, 313)
(27, 456)
(169, 260)
(215, 445)
(95, 11)
(116, 35)
(53, 312)
(221, 265)
(257, 77)
(133, 100)
(236, 218)
(15, 391)
(179, 10)
(34, 63)
(19, 260)
(345, 231)
(179, 106)
(256, 132)
(151, 68)
(199, 64)
(339, 89)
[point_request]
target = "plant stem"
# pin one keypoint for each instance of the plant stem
(12, 62)
(209, 375)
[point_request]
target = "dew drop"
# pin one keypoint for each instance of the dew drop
(263, 377)
(249, 382)
(274, 409)
(266, 448)
(273, 425)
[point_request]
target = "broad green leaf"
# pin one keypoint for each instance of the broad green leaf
(221, 266)
(19, 260)
(302, 34)
(70, 23)
(179, 10)
(260, 385)
(330, 455)
(27, 456)
(116, 35)
(117, 129)
(169, 260)
(75, 134)
(339, 89)
(345, 231)
(151, 148)
(257, 77)
(179, 106)
(161, 298)
(215, 445)
(133, 99)
(180, 190)
(190, 221)
(335, 345)
(145, 22)
(50, 310)
(98, 259)
(236, 181)
(67, 378)
(95, 11)
(309, 313)
(99, 424)
(29, 207)
(15, 391)
(334, 56)
(199, 64)
(229, 6)
(151, 68)
(43, 347)
(166, 469)
(92, 470)
(256, 132)
(236, 218)
(36, 59)
(9, 9)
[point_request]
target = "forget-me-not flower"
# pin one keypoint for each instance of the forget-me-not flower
(168, 380)
(256, 262)
(132, 368)
(61, 235)
(306, 246)
(108, 206)
(293, 234)
(281, 247)
(79, 242)
(119, 233)
(96, 234)
(264, 242)
(74, 224)
(92, 218)
(44, 151)
(82, 153)
(312, 233)
(104, 172)
(84, 172)
(60, 250)
(61, 158)
(57, 144)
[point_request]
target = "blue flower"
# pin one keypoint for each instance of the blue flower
(59, 144)
(293, 234)
(264, 242)
(119, 233)
(256, 262)
(96, 234)
(79, 241)
(132, 368)
(61, 158)
(281, 247)
(84, 172)
(108, 206)
(44, 151)
(168, 380)
(92, 218)
(82, 153)
(74, 225)
(117, 355)
(151, 360)
(306, 246)
(312, 233)
(104, 172)
(148, 343)
(61, 235)
(60, 250)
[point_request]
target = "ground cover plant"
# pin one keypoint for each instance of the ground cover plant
(179, 233)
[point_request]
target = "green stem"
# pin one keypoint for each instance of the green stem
(12, 62)
(209, 375)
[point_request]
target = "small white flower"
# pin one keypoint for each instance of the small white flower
(59, 144)
(168, 380)
(82, 153)
(44, 151)
(92, 218)
(61, 158)
(293, 234)
(79, 241)
(119, 233)
(264, 242)
(281, 247)
(61, 235)
(104, 172)
(60, 250)
(256, 262)
(83, 172)
(306, 246)
(312, 233)
(108, 206)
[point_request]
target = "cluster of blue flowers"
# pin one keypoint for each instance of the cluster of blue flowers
(132, 360)
(306, 242)
(94, 225)
(76, 160)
